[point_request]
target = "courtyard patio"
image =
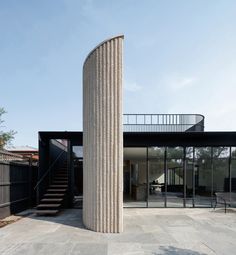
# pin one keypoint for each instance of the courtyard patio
(146, 231)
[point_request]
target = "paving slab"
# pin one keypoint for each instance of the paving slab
(196, 231)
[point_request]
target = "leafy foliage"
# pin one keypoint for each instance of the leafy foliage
(5, 137)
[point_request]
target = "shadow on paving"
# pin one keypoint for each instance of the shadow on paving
(171, 250)
(222, 210)
(68, 217)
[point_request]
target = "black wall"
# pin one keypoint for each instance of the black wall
(17, 181)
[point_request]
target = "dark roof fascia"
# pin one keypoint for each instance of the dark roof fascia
(145, 139)
(197, 139)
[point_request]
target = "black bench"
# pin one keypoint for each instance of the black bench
(225, 198)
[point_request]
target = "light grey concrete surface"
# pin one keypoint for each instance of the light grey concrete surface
(146, 231)
(103, 137)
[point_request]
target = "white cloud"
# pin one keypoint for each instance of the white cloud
(178, 83)
(132, 86)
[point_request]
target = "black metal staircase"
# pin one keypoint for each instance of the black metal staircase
(56, 193)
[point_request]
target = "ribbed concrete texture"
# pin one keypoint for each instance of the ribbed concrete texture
(103, 138)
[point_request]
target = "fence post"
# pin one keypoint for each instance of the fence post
(30, 181)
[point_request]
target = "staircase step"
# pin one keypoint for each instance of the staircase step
(48, 206)
(57, 190)
(58, 186)
(51, 200)
(46, 212)
(54, 195)
(60, 182)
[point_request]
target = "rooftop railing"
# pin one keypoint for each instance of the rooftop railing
(163, 122)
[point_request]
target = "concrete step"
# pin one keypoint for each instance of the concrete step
(46, 212)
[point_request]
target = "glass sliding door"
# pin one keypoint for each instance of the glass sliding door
(156, 177)
(203, 177)
(221, 170)
(233, 169)
(135, 177)
(174, 177)
(189, 180)
(177, 176)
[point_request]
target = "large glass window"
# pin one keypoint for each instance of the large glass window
(221, 169)
(135, 177)
(156, 177)
(233, 169)
(190, 182)
(203, 177)
(177, 176)
(174, 177)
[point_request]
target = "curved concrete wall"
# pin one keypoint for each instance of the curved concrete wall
(103, 138)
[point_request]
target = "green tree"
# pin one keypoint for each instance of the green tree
(5, 137)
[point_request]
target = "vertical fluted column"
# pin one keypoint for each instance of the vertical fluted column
(103, 138)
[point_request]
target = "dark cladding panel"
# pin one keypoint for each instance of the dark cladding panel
(197, 139)
(136, 139)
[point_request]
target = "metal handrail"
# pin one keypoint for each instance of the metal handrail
(172, 122)
(49, 169)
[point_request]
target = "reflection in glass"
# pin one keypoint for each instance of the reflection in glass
(156, 177)
(233, 169)
(168, 177)
(175, 177)
(221, 180)
(203, 177)
(233, 175)
(190, 182)
(135, 177)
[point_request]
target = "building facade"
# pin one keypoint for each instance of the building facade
(132, 160)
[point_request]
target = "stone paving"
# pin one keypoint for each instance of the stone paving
(146, 231)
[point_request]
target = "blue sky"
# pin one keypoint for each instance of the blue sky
(179, 57)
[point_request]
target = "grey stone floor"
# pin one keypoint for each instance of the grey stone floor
(146, 231)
